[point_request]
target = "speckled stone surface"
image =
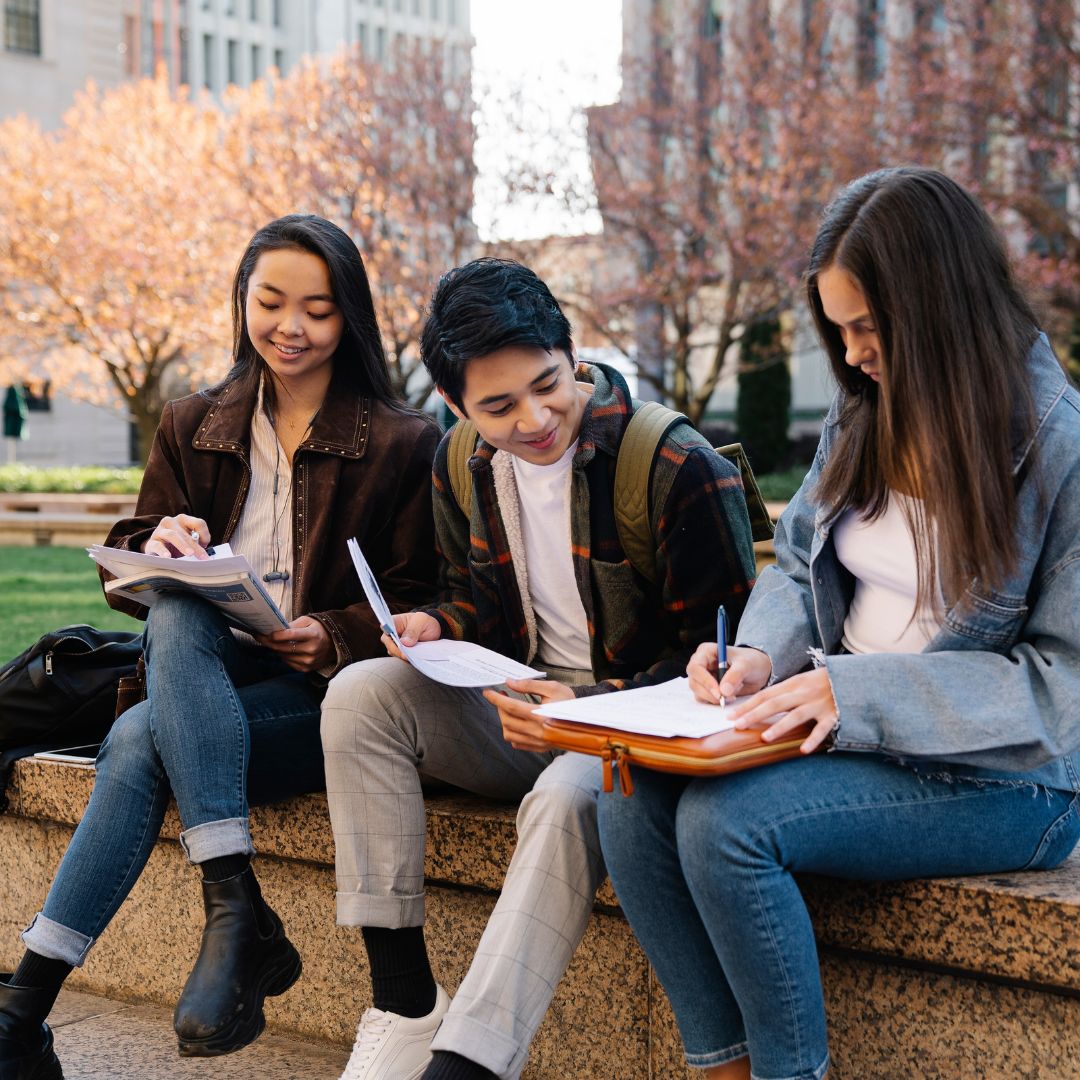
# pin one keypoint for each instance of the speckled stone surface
(1017, 926)
(99, 1039)
(1020, 927)
(895, 1022)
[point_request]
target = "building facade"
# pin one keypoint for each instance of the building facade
(53, 47)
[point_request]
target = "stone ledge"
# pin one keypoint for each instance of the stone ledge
(976, 976)
(1018, 927)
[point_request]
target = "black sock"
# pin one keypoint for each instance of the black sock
(226, 867)
(36, 972)
(446, 1065)
(401, 978)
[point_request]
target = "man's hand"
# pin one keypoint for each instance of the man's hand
(522, 729)
(412, 627)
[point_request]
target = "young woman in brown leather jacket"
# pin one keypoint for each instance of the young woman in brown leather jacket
(302, 446)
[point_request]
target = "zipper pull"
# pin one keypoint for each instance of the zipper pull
(605, 757)
(626, 785)
(48, 668)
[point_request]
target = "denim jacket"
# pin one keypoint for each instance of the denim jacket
(995, 695)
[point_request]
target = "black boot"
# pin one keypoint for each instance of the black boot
(245, 958)
(26, 1043)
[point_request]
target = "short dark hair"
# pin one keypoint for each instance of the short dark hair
(360, 360)
(481, 307)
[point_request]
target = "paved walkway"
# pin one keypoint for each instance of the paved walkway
(100, 1039)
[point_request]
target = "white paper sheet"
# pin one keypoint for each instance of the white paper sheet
(125, 563)
(453, 663)
(667, 709)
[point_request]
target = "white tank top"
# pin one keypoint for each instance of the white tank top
(880, 555)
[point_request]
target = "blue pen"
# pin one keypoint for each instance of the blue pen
(721, 646)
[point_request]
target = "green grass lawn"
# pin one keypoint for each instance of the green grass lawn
(43, 588)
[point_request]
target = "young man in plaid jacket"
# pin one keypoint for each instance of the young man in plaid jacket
(536, 571)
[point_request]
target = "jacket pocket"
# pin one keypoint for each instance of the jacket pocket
(618, 605)
(989, 617)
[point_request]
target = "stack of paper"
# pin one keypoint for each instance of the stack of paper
(667, 709)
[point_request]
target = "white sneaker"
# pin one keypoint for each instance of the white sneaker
(393, 1047)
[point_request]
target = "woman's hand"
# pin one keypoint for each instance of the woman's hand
(803, 697)
(748, 670)
(522, 729)
(412, 627)
(305, 646)
(172, 537)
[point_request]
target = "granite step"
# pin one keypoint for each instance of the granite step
(962, 977)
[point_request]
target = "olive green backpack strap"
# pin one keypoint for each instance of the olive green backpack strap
(461, 448)
(635, 519)
(761, 524)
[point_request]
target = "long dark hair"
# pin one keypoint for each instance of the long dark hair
(359, 361)
(954, 397)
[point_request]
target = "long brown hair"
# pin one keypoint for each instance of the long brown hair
(954, 398)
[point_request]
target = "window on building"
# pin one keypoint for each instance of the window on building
(131, 46)
(415, 7)
(277, 12)
(870, 55)
(232, 54)
(712, 52)
(184, 41)
(397, 5)
(256, 62)
(230, 7)
(208, 60)
(362, 38)
(435, 10)
(279, 61)
(451, 12)
(22, 26)
(253, 10)
(380, 43)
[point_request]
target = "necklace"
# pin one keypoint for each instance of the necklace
(277, 573)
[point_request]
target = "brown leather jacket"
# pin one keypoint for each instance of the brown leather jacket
(364, 471)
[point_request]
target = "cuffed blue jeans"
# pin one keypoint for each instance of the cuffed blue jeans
(704, 871)
(223, 723)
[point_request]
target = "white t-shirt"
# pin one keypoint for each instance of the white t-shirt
(881, 556)
(561, 623)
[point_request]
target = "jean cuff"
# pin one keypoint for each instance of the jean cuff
(391, 912)
(212, 840)
(56, 941)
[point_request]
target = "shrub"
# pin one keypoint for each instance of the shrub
(764, 401)
(70, 478)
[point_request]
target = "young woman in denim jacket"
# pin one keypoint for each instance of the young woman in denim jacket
(302, 446)
(930, 567)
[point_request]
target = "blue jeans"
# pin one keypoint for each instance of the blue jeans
(219, 716)
(704, 871)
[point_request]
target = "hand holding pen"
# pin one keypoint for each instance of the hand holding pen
(181, 535)
(746, 671)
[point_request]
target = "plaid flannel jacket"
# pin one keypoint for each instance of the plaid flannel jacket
(640, 632)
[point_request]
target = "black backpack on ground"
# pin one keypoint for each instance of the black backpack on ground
(62, 690)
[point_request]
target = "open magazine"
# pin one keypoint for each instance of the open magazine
(226, 580)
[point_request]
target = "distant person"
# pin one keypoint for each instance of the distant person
(930, 567)
(535, 570)
(15, 414)
(301, 447)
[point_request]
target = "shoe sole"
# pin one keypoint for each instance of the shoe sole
(245, 1029)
